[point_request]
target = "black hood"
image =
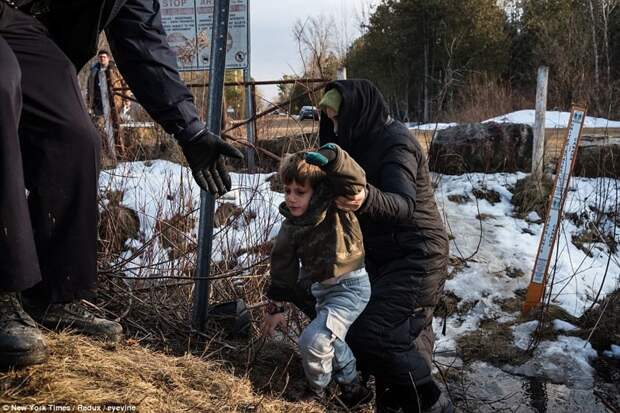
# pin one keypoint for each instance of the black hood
(363, 112)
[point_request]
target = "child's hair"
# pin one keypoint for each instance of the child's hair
(294, 168)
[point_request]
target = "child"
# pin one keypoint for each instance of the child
(321, 245)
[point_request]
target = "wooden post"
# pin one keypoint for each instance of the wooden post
(538, 155)
(115, 110)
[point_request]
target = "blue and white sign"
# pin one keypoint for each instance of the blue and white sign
(188, 24)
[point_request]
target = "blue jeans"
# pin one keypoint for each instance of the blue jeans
(322, 344)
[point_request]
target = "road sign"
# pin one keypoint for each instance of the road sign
(189, 23)
(536, 288)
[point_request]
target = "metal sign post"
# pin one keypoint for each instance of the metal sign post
(249, 101)
(536, 289)
(214, 125)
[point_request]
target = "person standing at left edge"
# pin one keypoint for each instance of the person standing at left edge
(49, 147)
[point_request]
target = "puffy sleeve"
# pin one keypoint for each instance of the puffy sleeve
(394, 199)
(284, 266)
(148, 64)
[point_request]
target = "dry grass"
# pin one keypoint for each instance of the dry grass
(532, 195)
(603, 322)
(483, 97)
(87, 372)
(492, 342)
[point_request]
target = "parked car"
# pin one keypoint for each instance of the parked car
(308, 112)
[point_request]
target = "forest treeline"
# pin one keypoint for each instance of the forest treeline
(463, 60)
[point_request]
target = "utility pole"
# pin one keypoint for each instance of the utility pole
(214, 125)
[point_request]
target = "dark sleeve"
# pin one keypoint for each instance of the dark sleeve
(148, 64)
(284, 267)
(394, 200)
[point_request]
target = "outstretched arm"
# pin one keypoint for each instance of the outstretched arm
(148, 64)
(138, 42)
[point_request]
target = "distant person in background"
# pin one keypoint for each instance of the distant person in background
(113, 79)
(405, 242)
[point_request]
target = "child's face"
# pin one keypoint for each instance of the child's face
(297, 197)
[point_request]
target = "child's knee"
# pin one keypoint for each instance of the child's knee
(316, 343)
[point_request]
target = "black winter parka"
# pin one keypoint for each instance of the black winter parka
(400, 222)
(404, 237)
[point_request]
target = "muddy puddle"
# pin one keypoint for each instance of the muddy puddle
(481, 387)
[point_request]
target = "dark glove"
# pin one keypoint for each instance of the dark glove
(204, 153)
(325, 155)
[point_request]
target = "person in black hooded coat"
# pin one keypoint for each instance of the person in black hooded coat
(49, 147)
(406, 248)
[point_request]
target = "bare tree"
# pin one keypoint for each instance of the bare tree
(316, 39)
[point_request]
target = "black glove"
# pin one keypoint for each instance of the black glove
(204, 153)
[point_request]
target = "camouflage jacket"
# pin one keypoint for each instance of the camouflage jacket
(325, 241)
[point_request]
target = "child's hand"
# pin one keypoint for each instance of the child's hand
(271, 322)
(351, 203)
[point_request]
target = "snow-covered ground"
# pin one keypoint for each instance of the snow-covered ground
(159, 190)
(500, 247)
(553, 119)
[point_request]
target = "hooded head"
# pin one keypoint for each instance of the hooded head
(362, 111)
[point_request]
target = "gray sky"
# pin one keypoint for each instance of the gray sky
(274, 51)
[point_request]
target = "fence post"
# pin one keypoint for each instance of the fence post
(214, 125)
(538, 146)
(115, 112)
(250, 112)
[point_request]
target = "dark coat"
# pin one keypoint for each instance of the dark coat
(93, 88)
(404, 237)
(138, 43)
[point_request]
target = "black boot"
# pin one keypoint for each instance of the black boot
(354, 394)
(21, 342)
(311, 394)
(76, 316)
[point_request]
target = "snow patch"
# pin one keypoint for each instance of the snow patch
(564, 361)
(561, 325)
(553, 119)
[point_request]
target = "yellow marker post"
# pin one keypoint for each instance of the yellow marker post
(536, 289)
